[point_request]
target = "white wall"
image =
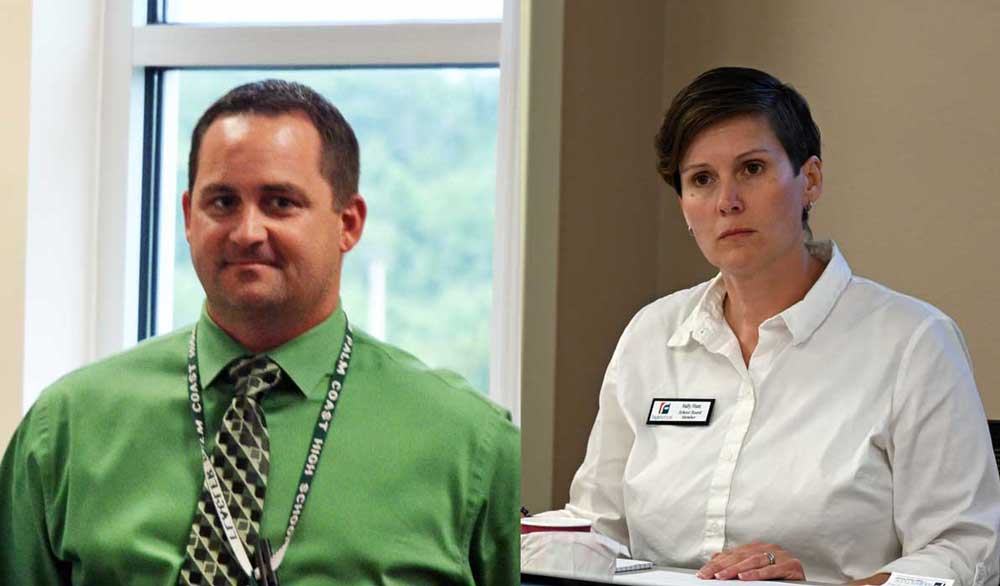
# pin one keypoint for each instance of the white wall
(79, 80)
(62, 175)
(15, 46)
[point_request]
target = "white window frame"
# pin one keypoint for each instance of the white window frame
(129, 45)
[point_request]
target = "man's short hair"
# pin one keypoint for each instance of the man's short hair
(271, 97)
(723, 93)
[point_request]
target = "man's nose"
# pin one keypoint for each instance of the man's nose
(250, 227)
(730, 197)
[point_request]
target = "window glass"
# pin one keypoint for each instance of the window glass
(330, 11)
(421, 278)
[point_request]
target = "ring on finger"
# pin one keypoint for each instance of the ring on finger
(770, 557)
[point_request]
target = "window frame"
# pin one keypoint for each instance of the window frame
(136, 50)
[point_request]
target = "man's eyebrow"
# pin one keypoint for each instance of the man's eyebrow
(744, 154)
(217, 189)
(282, 188)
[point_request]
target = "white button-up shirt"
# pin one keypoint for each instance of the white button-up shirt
(855, 439)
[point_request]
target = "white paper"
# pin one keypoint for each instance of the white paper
(674, 578)
(585, 555)
(900, 579)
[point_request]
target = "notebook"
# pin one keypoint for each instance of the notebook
(623, 565)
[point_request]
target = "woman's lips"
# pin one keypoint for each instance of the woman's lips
(735, 232)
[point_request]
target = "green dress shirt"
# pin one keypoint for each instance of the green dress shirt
(418, 483)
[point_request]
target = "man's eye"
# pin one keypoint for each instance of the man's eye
(754, 168)
(223, 202)
(282, 203)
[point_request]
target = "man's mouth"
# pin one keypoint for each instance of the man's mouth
(248, 262)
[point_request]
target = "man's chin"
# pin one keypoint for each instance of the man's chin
(250, 300)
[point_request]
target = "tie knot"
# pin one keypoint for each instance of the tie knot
(254, 375)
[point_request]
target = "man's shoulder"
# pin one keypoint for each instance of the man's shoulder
(158, 356)
(441, 390)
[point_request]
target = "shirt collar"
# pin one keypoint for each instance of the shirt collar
(706, 313)
(804, 317)
(801, 319)
(306, 359)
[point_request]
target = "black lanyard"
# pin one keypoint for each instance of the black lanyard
(320, 431)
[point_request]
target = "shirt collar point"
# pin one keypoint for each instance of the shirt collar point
(297, 357)
(703, 317)
(805, 317)
(680, 338)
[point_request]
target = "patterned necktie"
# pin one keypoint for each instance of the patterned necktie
(240, 457)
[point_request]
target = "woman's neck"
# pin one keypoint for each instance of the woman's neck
(752, 299)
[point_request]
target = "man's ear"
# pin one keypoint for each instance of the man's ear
(186, 206)
(812, 171)
(352, 221)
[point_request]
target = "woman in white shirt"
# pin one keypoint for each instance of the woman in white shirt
(846, 438)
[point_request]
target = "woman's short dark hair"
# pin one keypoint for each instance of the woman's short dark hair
(726, 92)
(271, 97)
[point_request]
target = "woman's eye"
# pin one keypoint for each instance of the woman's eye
(701, 179)
(754, 168)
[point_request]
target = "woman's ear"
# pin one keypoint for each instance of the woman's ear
(812, 171)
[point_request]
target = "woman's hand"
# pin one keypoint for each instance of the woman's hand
(756, 561)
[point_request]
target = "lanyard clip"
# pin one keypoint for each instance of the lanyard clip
(264, 573)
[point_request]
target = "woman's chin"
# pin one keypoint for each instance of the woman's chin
(737, 262)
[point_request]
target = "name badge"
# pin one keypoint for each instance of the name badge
(680, 412)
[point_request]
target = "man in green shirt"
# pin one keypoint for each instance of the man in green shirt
(409, 476)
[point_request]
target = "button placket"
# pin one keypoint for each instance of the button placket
(722, 479)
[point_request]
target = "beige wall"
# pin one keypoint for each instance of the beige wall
(908, 101)
(909, 105)
(541, 46)
(609, 201)
(15, 46)
(608, 209)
